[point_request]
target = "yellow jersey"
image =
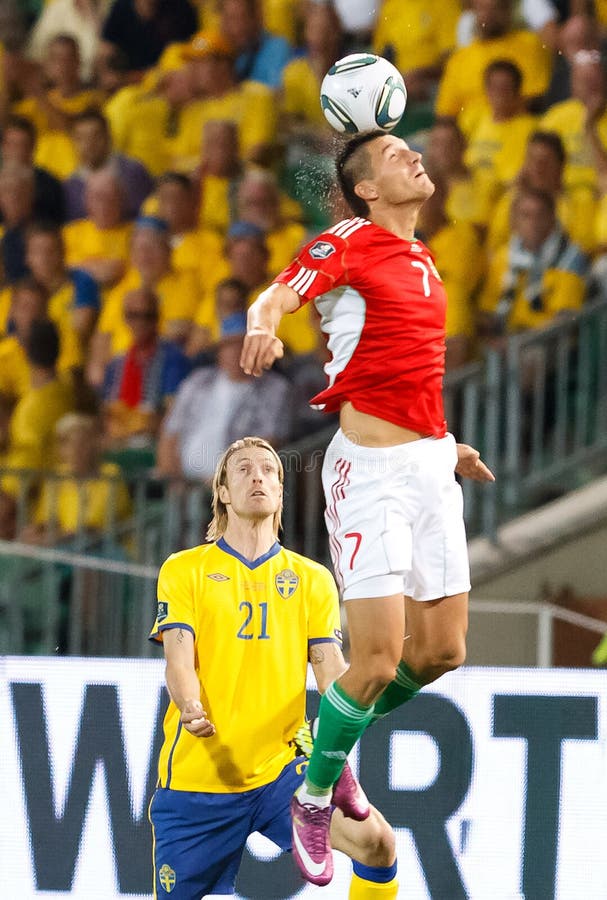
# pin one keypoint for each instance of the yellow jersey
(15, 371)
(417, 32)
(31, 429)
(84, 241)
(178, 294)
(576, 209)
(561, 290)
(251, 106)
(253, 624)
(458, 255)
(567, 119)
(91, 503)
(281, 17)
(461, 85)
(496, 150)
(139, 122)
(301, 93)
(6, 299)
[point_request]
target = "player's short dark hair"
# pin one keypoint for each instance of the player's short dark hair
(352, 165)
(549, 139)
(505, 65)
(42, 345)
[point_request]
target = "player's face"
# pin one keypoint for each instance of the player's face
(398, 174)
(253, 484)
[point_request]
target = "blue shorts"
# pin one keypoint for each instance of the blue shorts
(199, 838)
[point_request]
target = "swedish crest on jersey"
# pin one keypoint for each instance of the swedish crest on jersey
(167, 878)
(286, 583)
(163, 611)
(321, 249)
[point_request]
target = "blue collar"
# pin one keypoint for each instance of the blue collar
(274, 549)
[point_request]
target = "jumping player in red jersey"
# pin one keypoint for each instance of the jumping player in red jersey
(393, 505)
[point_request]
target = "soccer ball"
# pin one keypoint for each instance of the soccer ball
(362, 92)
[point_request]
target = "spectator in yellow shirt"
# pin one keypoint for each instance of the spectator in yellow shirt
(249, 104)
(581, 122)
(74, 300)
(259, 202)
(444, 159)
(192, 248)
(50, 109)
(247, 259)
(496, 145)
(100, 243)
(218, 174)
(417, 36)
(88, 497)
(538, 275)
(34, 417)
(302, 118)
(458, 254)
(542, 169)
(460, 92)
(28, 305)
(178, 294)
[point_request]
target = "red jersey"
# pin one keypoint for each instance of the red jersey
(382, 306)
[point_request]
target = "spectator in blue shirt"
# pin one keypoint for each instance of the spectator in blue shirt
(260, 55)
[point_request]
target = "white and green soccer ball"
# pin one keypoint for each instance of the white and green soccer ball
(362, 92)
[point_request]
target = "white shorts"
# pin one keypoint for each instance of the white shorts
(395, 519)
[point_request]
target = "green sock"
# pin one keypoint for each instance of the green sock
(341, 721)
(403, 688)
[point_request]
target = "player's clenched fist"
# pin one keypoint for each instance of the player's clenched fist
(195, 721)
(260, 350)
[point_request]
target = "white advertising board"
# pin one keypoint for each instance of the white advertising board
(495, 781)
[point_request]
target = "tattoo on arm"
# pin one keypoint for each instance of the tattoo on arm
(317, 655)
(180, 636)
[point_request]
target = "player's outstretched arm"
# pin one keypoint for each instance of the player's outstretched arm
(470, 464)
(261, 347)
(182, 681)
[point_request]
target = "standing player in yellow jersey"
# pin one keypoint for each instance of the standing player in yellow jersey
(239, 619)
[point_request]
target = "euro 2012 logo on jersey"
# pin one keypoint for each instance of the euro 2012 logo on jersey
(286, 583)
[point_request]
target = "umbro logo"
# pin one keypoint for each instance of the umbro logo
(218, 576)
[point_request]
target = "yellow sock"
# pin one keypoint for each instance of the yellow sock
(363, 889)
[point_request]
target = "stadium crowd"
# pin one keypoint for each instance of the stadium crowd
(163, 160)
